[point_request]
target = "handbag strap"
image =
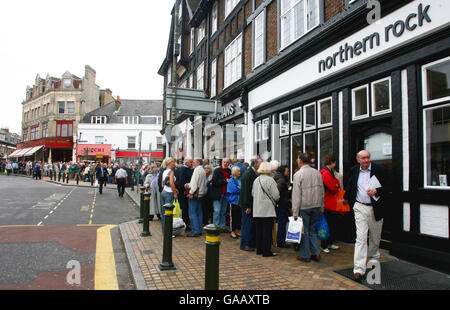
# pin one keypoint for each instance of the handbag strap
(270, 197)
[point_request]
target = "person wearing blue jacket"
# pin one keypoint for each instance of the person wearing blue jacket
(233, 191)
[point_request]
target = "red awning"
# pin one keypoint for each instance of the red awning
(136, 154)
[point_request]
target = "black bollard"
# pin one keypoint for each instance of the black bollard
(141, 206)
(146, 220)
(212, 257)
(167, 244)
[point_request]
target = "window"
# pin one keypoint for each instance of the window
(34, 133)
(98, 119)
(360, 101)
(296, 149)
(98, 139)
(169, 75)
(201, 32)
(229, 6)
(284, 123)
(63, 129)
(258, 40)
(258, 133)
(297, 18)
(310, 116)
(213, 78)
(214, 18)
(325, 112)
(191, 48)
(284, 151)
(131, 119)
(436, 81)
(25, 134)
(200, 75)
(61, 107)
(325, 145)
(191, 81)
(70, 107)
(296, 116)
(310, 147)
(45, 130)
(131, 142)
(381, 96)
(67, 83)
(265, 129)
(233, 69)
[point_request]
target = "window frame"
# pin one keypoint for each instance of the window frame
(425, 101)
(258, 134)
(73, 107)
(319, 113)
(289, 123)
(213, 90)
(128, 143)
(372, 96)
(234, 58)
(265, 131)
(200, 76)
(425, 157)
(304, 116)
(192, 41)
(354, 90)
(214, 18)
(59, 107)
(201, 31)
(292, 118)
(261, 15)
(229, 6)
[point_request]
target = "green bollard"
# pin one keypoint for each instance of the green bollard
(141, 206)
(146, 220)
(167, 244)
(212, 257)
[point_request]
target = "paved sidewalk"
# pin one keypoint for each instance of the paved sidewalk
(239, 270)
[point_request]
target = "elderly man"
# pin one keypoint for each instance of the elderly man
(197, 190)
(367, 197)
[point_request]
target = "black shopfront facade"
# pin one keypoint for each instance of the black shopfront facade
(394, 103)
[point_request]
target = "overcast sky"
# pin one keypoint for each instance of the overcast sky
(123, 41)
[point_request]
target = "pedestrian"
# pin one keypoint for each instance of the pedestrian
(151, 184)
(8, 168)
(101, 174)
(308, 202)
(121, 178)
(221, 175)
(92, 172)
(169, 192)
(233, 192)
(207, 202)
(265, 196)
(331, 186)
(367, 197)
(196, 192)
(248, 239)
(281, 177)
(183, 176)
(239, 163)
(37, 171)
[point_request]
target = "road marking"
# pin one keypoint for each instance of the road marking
(39, 224)
(45, 217)
(105, 264)
(84, 208)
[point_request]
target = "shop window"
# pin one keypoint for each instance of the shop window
(296, 149)
(310, 116)
(381, 96)
(310, 148)
(360, 101)
(436, 81)
(284, 123)
(325, 145)
(325, 112)
(284, 151)
(296, 116)
(265, 129)
(258, 133)
(233, 140)
(437, 146)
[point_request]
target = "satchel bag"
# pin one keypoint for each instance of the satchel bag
(270, 197)
(342, 205)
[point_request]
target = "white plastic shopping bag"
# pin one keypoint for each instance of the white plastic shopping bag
(96, 183)
(295, 228)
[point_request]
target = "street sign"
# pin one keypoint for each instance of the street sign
(191, 100)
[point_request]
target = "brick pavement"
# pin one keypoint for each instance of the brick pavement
(239, 270)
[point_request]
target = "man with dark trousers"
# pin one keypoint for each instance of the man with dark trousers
(368, 199)
(183, 177)
(100, 174)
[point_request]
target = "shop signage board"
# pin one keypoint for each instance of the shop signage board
(190, 100)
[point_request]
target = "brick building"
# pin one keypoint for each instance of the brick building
(327, 76)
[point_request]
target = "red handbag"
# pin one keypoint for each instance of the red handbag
(342, 205)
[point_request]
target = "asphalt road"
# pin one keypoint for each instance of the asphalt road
(62, 237)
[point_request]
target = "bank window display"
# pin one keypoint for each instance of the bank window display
(360, 108)
(296, 149)
(381, 96)
(262, 139)
(325, 145)
(284, 123)
(296, 116)
(436, 81)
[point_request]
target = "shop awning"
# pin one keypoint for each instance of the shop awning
(19, 153)
(13, 154)
(33, 150)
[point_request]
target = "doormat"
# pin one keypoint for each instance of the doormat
(401, 275)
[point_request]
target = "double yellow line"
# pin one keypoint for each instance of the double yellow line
(105, 264)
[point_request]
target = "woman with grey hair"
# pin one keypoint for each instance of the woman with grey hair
(265, 196)
(233, 191)
(151, 185)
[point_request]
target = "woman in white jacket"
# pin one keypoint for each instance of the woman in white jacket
(151, 184)
(265, 196)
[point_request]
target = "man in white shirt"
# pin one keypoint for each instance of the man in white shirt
(121, 179)
(197, 185)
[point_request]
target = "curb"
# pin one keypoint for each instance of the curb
(138, 277)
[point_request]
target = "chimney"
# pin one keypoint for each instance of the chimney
(117, 106)
(89, 73)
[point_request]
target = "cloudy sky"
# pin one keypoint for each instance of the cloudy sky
(124, 41)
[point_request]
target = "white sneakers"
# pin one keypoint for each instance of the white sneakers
(333, 247)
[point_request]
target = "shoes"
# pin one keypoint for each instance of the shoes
(192, 235)
(357, 277)
(272, 254)
(234, 237)
(226, 231)
(315, 258)
(334, 247)
(326, 250)
(248, 249)
(283, 246)
(305, 260)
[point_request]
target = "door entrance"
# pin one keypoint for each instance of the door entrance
(376, 138)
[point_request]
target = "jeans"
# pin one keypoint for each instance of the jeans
(282, 219)
(309, 244)
(196, 215)
(220, 211)
(247, 231)
(166, 197)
